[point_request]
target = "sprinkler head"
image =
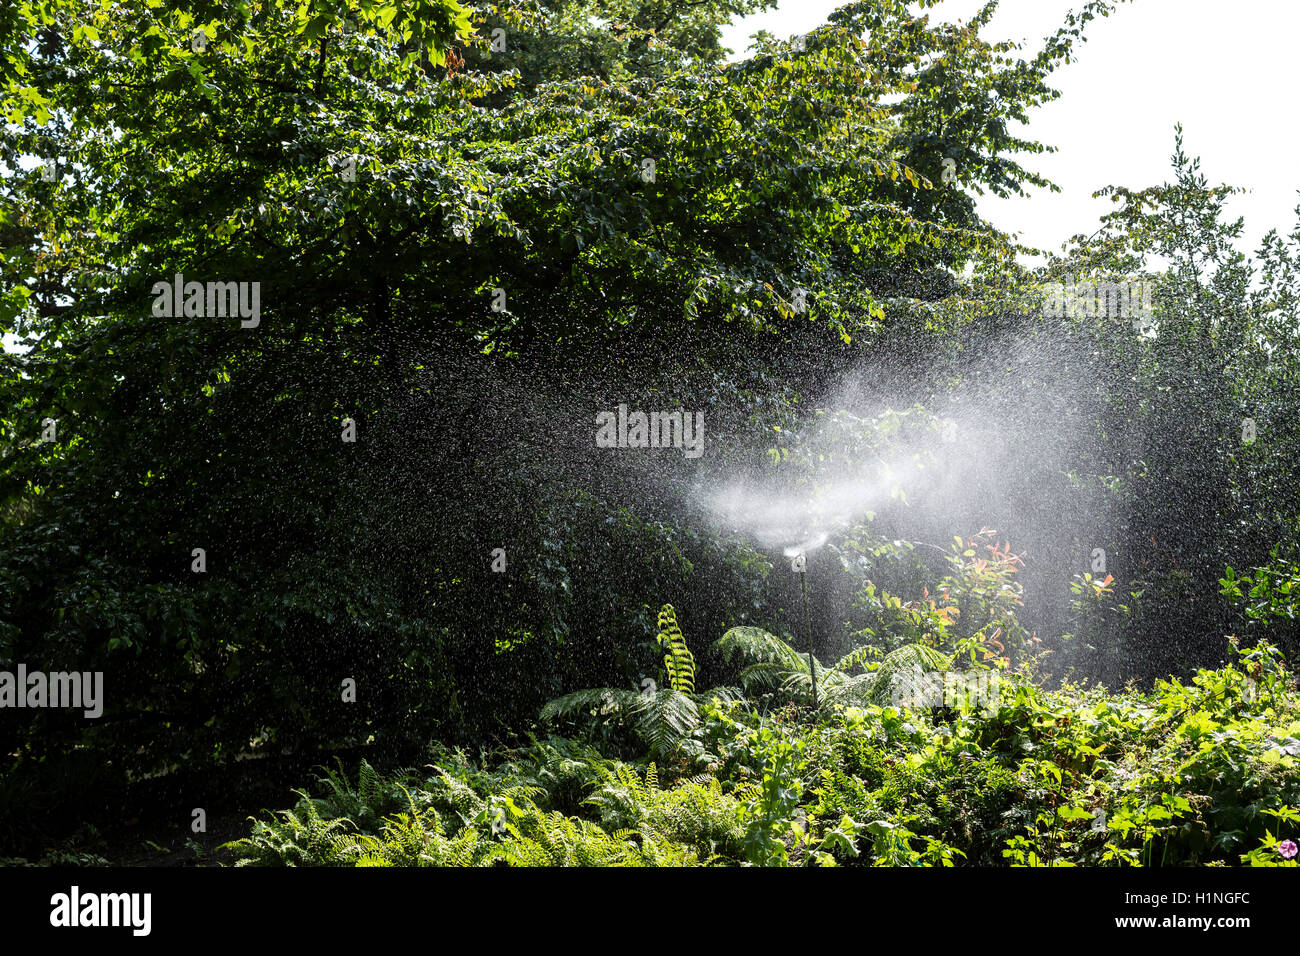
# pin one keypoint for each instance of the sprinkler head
(812, 544)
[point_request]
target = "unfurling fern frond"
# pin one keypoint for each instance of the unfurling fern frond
(679, 662)
(663, 717)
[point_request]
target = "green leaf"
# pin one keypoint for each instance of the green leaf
(318, 26)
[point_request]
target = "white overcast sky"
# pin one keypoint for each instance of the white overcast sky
(1228, 70)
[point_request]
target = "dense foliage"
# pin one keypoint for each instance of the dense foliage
(1204, 773)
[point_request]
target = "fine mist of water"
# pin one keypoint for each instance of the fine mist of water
(1010, 443)
(1006, 437)
(801, 519)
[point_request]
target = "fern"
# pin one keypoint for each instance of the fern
(679, 662)
(778, 664)
(907, 661)
(366, 803)
(556, 840)
(601, 701)
(664, 717)
(299, 837)
(562, 772)
(756, 644)
(695, 813)
(640, 823)
(621, 796)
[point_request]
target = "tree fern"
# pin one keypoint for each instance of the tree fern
(602, 701)
(856, 658)
(775, 661)
(906, 663)
(667, 716)
(662, 717)
(756, 644)
(777, 664)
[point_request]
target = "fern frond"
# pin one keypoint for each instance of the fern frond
(668, 716)
(601, 700)
(856, 657)
(910, 659)
(679, 662)
(758, 645)
(769, 673)
(367, 782)
(721, 694)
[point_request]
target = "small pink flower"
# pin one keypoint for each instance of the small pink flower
(1288, 849)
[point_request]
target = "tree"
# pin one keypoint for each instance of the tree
(384, 196)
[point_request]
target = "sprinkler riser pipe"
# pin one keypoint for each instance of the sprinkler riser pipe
(807, 624)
